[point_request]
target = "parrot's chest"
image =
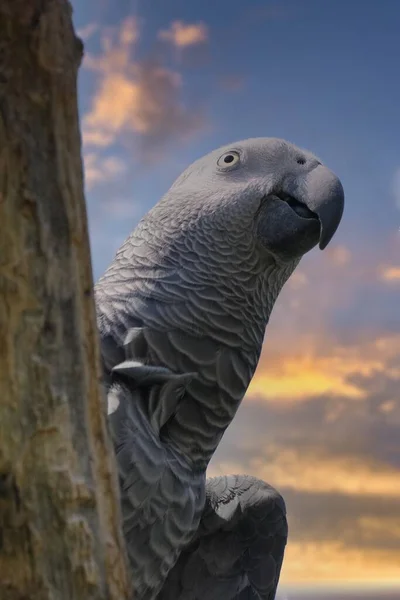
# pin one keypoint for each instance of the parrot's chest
(211, 399)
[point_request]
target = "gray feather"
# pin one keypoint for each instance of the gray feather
(162, 497)
(238, 550)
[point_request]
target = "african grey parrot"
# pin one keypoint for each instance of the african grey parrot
(182, 312)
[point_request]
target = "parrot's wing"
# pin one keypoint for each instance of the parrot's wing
(238, 550)
(161, 499)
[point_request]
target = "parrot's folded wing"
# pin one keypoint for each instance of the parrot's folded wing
(161, 498)
(238, 550)
(163, 389)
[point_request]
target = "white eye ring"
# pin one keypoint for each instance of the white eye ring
(229, 159)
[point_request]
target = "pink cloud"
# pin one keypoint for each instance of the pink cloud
(182, 34)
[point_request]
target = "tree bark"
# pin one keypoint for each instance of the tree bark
(60, 535)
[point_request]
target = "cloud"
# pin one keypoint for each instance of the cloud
(333, 303)
(360, 521)
(339, 255)
(323, 286)
(135, 98)
(298, 280)
(314, 470)
(390, 274)
(182, 34)
(323, 561)
(331, 425)
(313, 367)
(85, 33)
(333, 455)
(99, 138)
(321, 418)
(373, 527)
(100, 169)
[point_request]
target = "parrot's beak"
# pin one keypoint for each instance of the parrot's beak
(323, 194)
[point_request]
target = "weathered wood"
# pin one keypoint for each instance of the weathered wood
(60, 532)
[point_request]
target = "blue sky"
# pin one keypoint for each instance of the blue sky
(322, 74)
(163, 83)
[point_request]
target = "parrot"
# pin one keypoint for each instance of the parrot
(182, 312)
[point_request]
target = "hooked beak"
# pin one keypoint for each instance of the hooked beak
(323, 194)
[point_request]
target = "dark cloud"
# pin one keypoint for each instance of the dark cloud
(359, 521)
(332, 426)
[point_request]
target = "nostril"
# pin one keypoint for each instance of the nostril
(301, 161)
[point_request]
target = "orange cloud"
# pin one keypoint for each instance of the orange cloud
(374, 527)
(297, 280)
(314, 369)
(388, 407)
(133, 97)
(308, 470)
(390, 274)
(183, 35)
(339, 255)
(333, 562)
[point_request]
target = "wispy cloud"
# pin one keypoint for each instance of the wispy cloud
(182, 34)
(86, 32)
(139, 98)
(339, 255)
(297, 280)
(293, 463)
(319, 561)
(315, 470)
(99, 170)
(390, 274)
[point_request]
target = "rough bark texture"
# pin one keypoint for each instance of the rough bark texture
(59, 513)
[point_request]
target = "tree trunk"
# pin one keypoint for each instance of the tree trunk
(60, 535)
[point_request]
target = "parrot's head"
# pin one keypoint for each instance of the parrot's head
(267, 188)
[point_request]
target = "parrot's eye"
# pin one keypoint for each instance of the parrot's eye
(229, 159)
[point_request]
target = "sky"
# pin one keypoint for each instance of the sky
(163, 83)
